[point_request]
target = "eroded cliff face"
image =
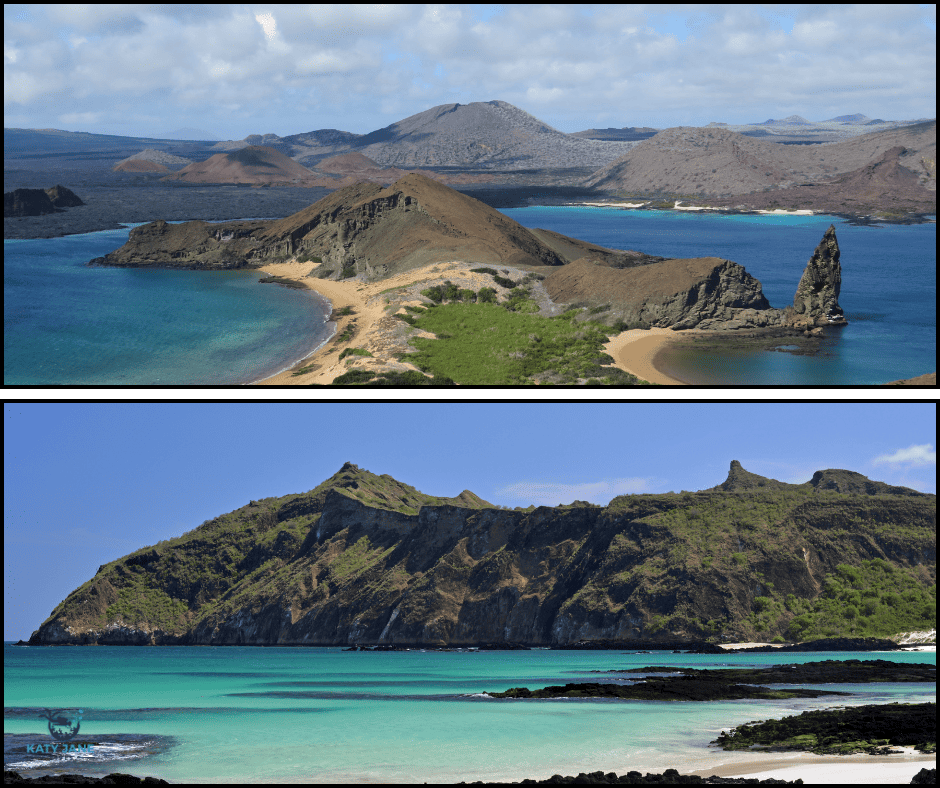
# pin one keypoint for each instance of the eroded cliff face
(703, 292)
(361, 230)
(363, 559)
(197, 244)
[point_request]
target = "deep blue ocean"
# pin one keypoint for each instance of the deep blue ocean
(889, 287)
(66, 323)
(323, 715)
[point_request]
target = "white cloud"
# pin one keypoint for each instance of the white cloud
(549, 494)
(917, 456)
(357, 67)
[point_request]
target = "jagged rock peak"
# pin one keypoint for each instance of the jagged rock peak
(851, 482)
(740, 479)
(817, 296)
(348, 466)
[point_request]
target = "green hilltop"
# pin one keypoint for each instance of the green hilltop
(364, 559)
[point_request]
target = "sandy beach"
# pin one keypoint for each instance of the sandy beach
(377, 331)
(858, 769)
(374, 326)
(634, 351)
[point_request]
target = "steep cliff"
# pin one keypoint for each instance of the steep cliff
(702, 292)
(365, 559)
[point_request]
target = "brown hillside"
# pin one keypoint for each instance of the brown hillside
(575, 249)
(139, 165)
(705, 292)
(361, 229)
(716, 162)
(415, 221)
(347, 163)
(688, 160)
(883, 185)
(254, 164)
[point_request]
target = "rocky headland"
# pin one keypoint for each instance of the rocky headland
(364, 559)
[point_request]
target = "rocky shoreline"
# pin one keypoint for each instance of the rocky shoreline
(115, 778)
(683, 689)
(668, 777)
(872, 729)
(693, 684)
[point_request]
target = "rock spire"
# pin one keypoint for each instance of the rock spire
(817, 296)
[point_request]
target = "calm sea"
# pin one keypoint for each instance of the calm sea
(66, 323)
(239, 714)
(889, 287)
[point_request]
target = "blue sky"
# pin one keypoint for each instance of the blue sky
(87, 483)
(234, 70)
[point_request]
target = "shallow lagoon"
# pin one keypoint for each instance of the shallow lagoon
(69, 324)
(240, 714)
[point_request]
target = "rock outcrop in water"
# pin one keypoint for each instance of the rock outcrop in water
(817, 297)
(364, 559)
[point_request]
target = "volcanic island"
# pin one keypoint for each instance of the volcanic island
(396, 262)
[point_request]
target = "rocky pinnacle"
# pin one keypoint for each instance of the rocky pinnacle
(817, 296)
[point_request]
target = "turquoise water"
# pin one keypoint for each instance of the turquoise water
(320, 714)
(66, 323)
(889, 287)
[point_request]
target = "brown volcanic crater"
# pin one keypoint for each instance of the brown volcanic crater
(139, 165)
(252, 164)
(348, 163)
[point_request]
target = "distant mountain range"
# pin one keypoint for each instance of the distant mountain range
(481, 135)
(717, 162)
(496, 142)
(495, 134)
(366, 559)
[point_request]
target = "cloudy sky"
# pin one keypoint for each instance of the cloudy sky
(233, 70)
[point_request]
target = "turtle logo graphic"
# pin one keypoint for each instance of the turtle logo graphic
(63, 723)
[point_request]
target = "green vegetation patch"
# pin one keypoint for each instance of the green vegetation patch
(363, 377)
(138, 603)
(487, 345)
(874, 599)
(356, 558)
(843, 731)
(354, 351)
